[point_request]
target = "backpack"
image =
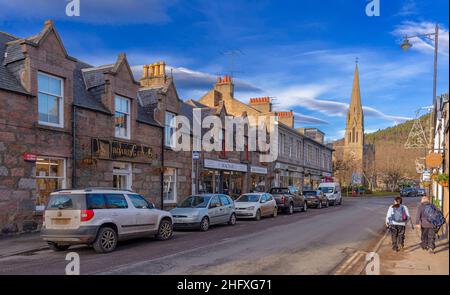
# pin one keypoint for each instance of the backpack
(399, 214)
(433, 215)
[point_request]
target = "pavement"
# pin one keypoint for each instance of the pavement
(320, 241)
(411, 260)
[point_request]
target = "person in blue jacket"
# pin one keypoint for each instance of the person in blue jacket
(396, 219)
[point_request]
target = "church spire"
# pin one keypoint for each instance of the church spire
(355, 100)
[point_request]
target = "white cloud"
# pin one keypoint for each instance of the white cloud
(303, 119)
(98, 11)
(409, 7)
(410, 28)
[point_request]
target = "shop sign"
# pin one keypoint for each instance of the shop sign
(29, 157)
(257, 169)
(106, 149)
(433, 160)
(282, 166)
(426, 176)
(220, 165)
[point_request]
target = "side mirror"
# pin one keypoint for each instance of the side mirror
(151, 206)
(263, 201)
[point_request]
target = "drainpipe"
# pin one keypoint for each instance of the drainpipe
(74, 146)
(162, 167)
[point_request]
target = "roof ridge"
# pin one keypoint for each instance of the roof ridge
(9, 35)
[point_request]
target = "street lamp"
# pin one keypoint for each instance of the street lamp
(407, 45)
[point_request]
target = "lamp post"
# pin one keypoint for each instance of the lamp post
(407, 45)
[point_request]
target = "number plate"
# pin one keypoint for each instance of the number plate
(61, 221)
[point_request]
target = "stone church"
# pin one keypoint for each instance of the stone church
(353, 158)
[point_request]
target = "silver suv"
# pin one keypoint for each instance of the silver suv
(101, 217)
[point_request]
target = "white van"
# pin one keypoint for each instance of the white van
(332, 190)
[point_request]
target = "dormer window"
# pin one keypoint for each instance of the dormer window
(50, 100)
(122, 117)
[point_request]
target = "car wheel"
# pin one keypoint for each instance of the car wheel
(165, 230)
(56, 247)
(275, 212)
(106, 240)
(232, 220)
(320, 205)
(305, 207)
(258, 215)
(327, 204)
(290, 210)
(340, 201)
(204, 224)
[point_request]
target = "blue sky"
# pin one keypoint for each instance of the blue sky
(300, 52)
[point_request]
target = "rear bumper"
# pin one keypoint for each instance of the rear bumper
(312, 202)
(82, 235)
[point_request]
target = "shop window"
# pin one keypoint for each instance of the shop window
(122, 176)
(170, 185)
(122, 117)
(50, 100)
(168, 130)
(50, 176)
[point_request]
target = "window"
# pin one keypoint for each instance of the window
(122, 117)
(291, 146)
(225, 201)
(168, 129)
(95, 201)
(214, 202)
(116, 201)
(170, 185)
(122, 175)
(50, 176)
(50, 100)
(139, 202)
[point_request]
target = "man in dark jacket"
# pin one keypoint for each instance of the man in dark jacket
(428, 235)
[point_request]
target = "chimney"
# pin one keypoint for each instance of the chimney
(225, 86)
(262, 104)
(287, 118)
(154, 75)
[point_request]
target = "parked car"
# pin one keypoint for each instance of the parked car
(332, 191)
(421, 192)
(288, 199)
(408, 192)
(316, 199)
(101, 218)
(256, 205)
(202, 211)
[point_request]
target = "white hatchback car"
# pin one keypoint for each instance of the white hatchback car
(256, 205)
(101, 217)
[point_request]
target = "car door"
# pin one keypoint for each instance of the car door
(264, 205)
(119, 211)
(146, 217)
(296, 197)
(214, 210)
(271, 204)
(227, 207)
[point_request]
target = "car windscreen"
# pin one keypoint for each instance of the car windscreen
(249, 198)
(326, 189)
(66, 202)
(195, 202)
(275, 191)
(309, 193)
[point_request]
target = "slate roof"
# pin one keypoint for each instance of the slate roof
(7, 80)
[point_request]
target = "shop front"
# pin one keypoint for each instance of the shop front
(258, 178)
(50, 176)
(312, 179)
(288, 175)
(222, 177)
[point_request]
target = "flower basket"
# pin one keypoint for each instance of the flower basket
(443, 183)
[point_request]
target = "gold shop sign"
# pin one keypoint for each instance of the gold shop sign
(107, 149)
(433, 160)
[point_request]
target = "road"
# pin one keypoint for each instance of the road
(315, 242)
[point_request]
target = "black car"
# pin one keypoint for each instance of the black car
(408, 192)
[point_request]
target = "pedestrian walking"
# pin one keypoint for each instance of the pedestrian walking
(429, 219)
(396, 219)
